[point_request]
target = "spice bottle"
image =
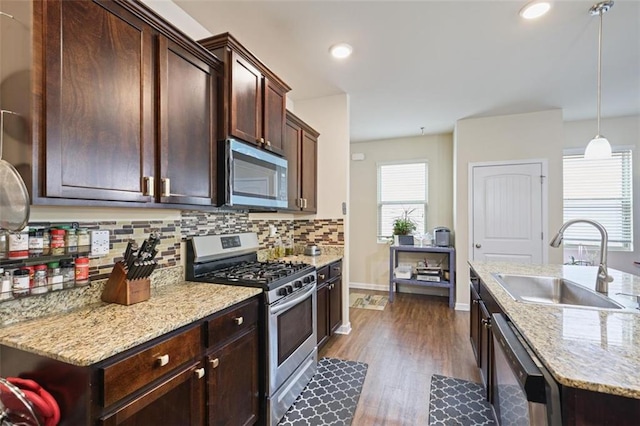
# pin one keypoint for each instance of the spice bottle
(82, 271)
(84, 241)
(3, 244)
(68, 270)
(36, 241)
(54, 276)
(57, 241)
(19, 244)
(20, 285)
(46, 241)
(40, 280)
(71, 240)
(5, 288)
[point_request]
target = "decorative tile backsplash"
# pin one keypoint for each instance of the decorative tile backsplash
(320, 231)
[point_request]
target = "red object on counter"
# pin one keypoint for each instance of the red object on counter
(82, 270)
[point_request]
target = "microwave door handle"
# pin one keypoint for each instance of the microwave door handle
(229, 173)
(286, 305)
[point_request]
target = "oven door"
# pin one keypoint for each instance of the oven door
(254, 177)
(292, 334)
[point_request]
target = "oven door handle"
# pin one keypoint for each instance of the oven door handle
(289, 303)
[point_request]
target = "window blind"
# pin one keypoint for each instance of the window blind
(600, 190)
(401, 187)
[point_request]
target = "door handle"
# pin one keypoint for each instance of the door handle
(478, 245)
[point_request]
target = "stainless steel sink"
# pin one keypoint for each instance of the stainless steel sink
(553, 291)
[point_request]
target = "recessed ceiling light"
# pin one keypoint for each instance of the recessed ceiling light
(535, 9)
(341, 50)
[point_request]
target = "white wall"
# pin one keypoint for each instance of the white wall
(370, 259)
(330, 116)
(538, 135)
(621, 131)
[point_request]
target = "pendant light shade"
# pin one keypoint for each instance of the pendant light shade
(599, 146)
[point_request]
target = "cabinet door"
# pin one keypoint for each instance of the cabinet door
(474, 323)
(486, 345)
(98, 97)
(246, 100)
(233, 397)
(323, 314)
(178, 400)
(309, 172)
(335, 304)
(274, 117)
(292, 141)
(187, 126)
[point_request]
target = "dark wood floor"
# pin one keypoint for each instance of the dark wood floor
(413, 338)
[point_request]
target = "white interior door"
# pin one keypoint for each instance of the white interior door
(507, 209)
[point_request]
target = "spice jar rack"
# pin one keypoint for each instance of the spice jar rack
(33, 263)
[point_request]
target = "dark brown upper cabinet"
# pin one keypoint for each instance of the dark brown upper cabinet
(124, 107)
(301, 152)
(253, 97)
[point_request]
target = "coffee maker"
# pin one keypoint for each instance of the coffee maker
(442, 237)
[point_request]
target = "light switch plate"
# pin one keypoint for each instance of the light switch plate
(99, 243)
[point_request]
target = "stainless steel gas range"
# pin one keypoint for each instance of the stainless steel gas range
(290, 309)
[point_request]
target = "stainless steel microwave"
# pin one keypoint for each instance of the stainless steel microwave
(251, 177)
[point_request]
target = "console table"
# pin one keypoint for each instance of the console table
(450, 283)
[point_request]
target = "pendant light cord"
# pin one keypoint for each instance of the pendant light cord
(599, 70)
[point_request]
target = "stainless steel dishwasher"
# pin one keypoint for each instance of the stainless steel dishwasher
(524, 393)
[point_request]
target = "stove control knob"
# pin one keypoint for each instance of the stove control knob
(297, 284)
(289, 289)
(307, 279)
(282, 291)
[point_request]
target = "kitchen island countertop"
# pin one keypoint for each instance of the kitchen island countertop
(93, 333)
(584, 348)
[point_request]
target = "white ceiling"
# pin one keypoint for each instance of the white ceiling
(428, 64)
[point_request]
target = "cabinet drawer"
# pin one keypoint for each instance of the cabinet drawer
(323, 274)
(335, 269)
(136, 371)
(236, 321)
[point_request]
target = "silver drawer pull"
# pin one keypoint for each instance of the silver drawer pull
(163, 360)
(199, 373)
(321, 276)
(215, 363)
(238, 320)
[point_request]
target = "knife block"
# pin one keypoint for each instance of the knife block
(123, 291)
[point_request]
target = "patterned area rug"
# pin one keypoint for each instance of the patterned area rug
(458, 402)
(368, 301)
(331, 396)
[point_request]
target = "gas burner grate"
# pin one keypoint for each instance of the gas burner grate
(258, 272)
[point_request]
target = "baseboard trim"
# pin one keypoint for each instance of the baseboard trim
(462, 307)
(369, 286)
(344, 329)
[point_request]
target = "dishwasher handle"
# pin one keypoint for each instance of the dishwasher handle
(525, 369)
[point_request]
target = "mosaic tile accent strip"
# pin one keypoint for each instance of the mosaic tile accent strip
(320, 231)
(285, 229)
(212, 223)
(458, 402)
(331, 397)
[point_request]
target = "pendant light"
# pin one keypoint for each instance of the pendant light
(599, 146)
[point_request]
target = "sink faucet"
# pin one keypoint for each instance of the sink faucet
(603, 279)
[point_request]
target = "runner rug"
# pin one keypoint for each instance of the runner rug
(458, 402)
(331, 396)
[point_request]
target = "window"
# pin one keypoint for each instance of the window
(401, 187)
(599, 190)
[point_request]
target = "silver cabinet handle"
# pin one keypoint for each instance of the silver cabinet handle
(149, 186)
(215, 363)
(199, 373)
(238, 320)
(166, 187)
(478, 245)
(163, 360)
(475, 301)
(486, 323)
(268, 143)
(261, 140)
(321, 276)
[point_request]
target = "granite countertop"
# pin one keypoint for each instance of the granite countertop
(587, 348)
(317, 261)
(93, 333)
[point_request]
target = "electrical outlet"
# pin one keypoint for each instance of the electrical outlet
(99, 243)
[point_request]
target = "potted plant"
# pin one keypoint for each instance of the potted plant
(403, 226)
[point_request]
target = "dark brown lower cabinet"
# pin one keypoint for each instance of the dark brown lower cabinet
(323, 310)
(486, 350)
(329, 301)
(335, 304)
(174, 401)
(232, 380)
